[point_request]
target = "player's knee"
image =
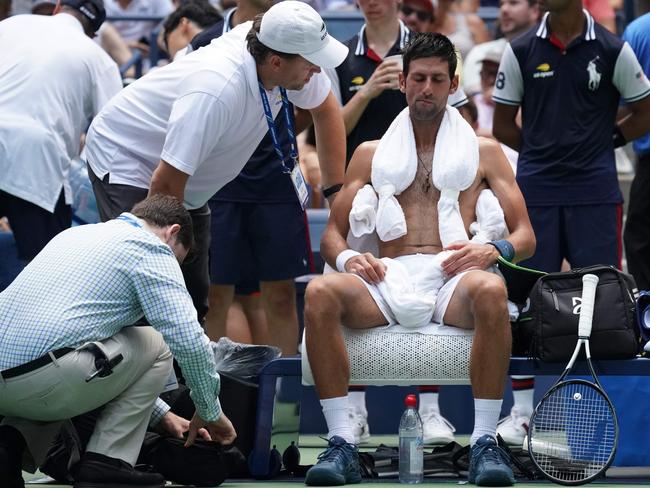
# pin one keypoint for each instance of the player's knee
(320, 298)
(489, 292)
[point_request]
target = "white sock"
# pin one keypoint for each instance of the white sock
(358, 399)
(428, 402)
(523, 399)
(486, 416)
(336, 415)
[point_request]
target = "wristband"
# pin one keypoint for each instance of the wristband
(504, 247)
(618, 138)
(331, 190)
(343, 257)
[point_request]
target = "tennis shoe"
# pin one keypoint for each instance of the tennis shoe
(513, 428)
(359, 423)
(337, 465)
(436, 428)
(488, 464)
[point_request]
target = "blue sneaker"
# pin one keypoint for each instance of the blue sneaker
(337, 465)
(488, 464)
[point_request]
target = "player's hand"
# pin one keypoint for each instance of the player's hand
(385, 77)
(221, 430)
(469, 256)
(367, 266)
(177, 426)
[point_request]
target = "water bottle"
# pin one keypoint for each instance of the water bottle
(411, 460)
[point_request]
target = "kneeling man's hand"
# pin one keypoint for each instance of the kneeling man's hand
(367, 266)
(221, 430)
(469, 256)
(177, 426)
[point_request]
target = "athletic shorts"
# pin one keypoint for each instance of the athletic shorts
(266, 240)
(584, 235)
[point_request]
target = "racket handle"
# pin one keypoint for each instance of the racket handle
(589, 283)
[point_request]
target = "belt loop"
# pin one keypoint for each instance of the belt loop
(53, 358)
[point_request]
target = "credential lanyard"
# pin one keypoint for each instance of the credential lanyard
(130, 220)
(274, 131)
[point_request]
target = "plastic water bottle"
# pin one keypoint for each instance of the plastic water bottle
(411, 460)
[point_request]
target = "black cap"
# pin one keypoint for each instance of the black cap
(93, 10)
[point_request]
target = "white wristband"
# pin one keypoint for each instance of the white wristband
(343, 257)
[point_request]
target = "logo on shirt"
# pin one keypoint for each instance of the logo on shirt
(543, 71)
(594, 74)
(356, 83)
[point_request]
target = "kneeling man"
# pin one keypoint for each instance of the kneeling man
(429, 247)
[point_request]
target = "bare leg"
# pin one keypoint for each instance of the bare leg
(237, 327)
(330, 301)
(256, 317)
(480, 302)
(221, 297)
(279, 300)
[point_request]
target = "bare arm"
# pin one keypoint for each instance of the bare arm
(478, 29)
(167, 180)
(637, 123)
(302, 119)
(330, 141)
(504, 126)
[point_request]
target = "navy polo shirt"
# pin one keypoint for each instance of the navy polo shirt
(569, 96)
(380, 112)
(262, 180)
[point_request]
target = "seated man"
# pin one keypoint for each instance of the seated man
(66, 347)
(470, 296)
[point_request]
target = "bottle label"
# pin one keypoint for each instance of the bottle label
(417, 456)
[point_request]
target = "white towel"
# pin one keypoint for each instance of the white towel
(490, 222)
(394, 165)
(363, 215)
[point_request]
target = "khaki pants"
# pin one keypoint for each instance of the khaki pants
(37, 402)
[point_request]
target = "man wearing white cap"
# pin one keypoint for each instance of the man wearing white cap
(189, 128)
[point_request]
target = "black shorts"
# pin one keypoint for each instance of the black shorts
(266, 241)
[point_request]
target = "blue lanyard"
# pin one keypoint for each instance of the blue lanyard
(129, 220)
(273, 130)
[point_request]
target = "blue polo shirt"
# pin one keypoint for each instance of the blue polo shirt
(637, 34)
(569, 96)
(262, 180)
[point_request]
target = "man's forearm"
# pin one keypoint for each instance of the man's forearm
(353, 110)
(167, 180)
(330, 146)
(635, 125)
(508, 134)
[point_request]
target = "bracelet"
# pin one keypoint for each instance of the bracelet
(618, 138)
(331, 190)
(343, 257)
(506, 250)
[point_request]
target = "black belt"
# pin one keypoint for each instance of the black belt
(35, 364)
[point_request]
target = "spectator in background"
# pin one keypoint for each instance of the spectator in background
(515, 18)
(637, 226)
(366, 83)
(184, 23)
(418, 15)
(464, 29)
(603, 12)
(137, 33)
(49, 91)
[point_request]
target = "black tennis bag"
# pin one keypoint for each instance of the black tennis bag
(547, 327)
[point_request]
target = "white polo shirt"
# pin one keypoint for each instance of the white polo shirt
(53, 80)
(202, 114)
(134, 30)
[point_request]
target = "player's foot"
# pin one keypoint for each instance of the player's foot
(337, 465)
(436, 428)
(488, 464)
(514, 428)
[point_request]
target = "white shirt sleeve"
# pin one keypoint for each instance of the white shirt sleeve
(509, 86)
(628, 77)
(458, 98)
(336, 83)
(195, 126)
(312, 94)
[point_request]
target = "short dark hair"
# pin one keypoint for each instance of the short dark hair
(430, 45)
(198, 11)
(258, 50)
(164, 210)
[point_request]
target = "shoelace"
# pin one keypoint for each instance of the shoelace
(492, 453)
(334, 453)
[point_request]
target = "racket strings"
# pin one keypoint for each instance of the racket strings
(573, 432)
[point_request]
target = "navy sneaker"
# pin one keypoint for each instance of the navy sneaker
(337, 465)
(488, 464)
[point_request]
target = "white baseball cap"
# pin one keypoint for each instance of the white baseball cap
(293, 27)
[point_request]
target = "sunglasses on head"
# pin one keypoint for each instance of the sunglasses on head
(421, 14)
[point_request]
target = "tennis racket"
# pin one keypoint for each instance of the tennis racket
(573, 431)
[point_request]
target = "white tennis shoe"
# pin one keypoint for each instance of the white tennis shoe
(359, 422)
(436, 428)
(514, 427)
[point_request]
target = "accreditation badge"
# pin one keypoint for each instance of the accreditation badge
(299, 185)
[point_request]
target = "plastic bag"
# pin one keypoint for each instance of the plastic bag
(242, 361)
(84, 205)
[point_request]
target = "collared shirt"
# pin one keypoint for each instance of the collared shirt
(201, 114)
(637, 34)
(352, 74)
(134, 30)
(49, 91)
(569, 97)
(262, 180)
(91, 281)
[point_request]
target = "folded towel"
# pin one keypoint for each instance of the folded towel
(490, 222)
(364, 212)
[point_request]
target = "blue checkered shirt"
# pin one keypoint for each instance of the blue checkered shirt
(91, 281)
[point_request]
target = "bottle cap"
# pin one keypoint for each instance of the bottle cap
(411, 401)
